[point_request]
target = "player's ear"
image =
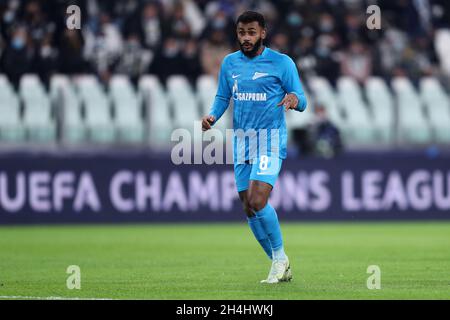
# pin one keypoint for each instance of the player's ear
(263, 33)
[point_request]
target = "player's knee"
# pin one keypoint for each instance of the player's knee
(247, 209)
(257, 202)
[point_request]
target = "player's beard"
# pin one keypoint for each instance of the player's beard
(253, 51)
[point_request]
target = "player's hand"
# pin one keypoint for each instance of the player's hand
(207, 121)
(290, 101)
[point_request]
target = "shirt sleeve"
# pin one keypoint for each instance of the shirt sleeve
(291, 83)
(223, 95)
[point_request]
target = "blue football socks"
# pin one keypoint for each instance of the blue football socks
(271, 226)
(260, 234)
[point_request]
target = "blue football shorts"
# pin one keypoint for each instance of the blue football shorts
(264, 168)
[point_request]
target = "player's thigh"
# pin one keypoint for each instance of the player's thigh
(266, 169)
(263, 177)
(242, 173)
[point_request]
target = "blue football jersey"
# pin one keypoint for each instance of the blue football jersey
(256, 86)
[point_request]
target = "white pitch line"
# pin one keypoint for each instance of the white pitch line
(51, 298)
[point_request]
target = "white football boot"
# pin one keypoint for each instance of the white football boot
(279, 272)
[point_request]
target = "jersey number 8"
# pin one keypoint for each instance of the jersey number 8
(263, 162)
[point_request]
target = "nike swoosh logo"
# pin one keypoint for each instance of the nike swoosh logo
(235, 76)
(259, 75)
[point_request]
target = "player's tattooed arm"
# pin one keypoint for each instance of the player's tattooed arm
(290, 101)
(207, 121)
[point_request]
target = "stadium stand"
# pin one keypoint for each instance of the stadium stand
(413, 125)
(326, 96)
(11, 127)
(139, 69)
(158, 121)
(356, 112)
(382, 108)
(87, 113)
(437, 106)
(73, 127)
(38, 118)
(97, 106)
(127, 109)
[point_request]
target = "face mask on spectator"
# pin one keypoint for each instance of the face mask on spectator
(170, 52)
(219, 24)
(18, 43)
(323, 51)
(294, 20)
(8, 17)
(133, 44)
(46, 51)
(326, 26)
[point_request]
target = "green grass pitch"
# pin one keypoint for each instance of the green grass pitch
(223, 261)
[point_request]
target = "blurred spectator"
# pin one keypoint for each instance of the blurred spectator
(356, 62)
(8, 17)
(327, 23)
(37, 24)
(325, 37)
(18, 56)
(320, 138)
(326, 136)
(71, 52)
(150, 26)
(355, 28)
(441, 13)
(418, 58)
(294, 20)
(46, 59)
(194, 17)
(191, 66)
(178, 27)
(213, 50)
(221, 21)
(328, 57)
(168, 61)
(134, 60)
(391, 49)
(442, 46)
(103, 46)
(280, 42)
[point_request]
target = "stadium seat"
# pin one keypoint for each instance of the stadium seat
(97, 109)
(127, 106)
(64, 97)
(437, 105)
(8, 96)
(159, 123)
(413, 125)
(38, 119)
(300, 120)
(206, 92)
(182, 99)
(323, 93)
(11, 128)
(359, 127)
(442, 47)
(58, 82)
(5, 85)
(382, 106)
